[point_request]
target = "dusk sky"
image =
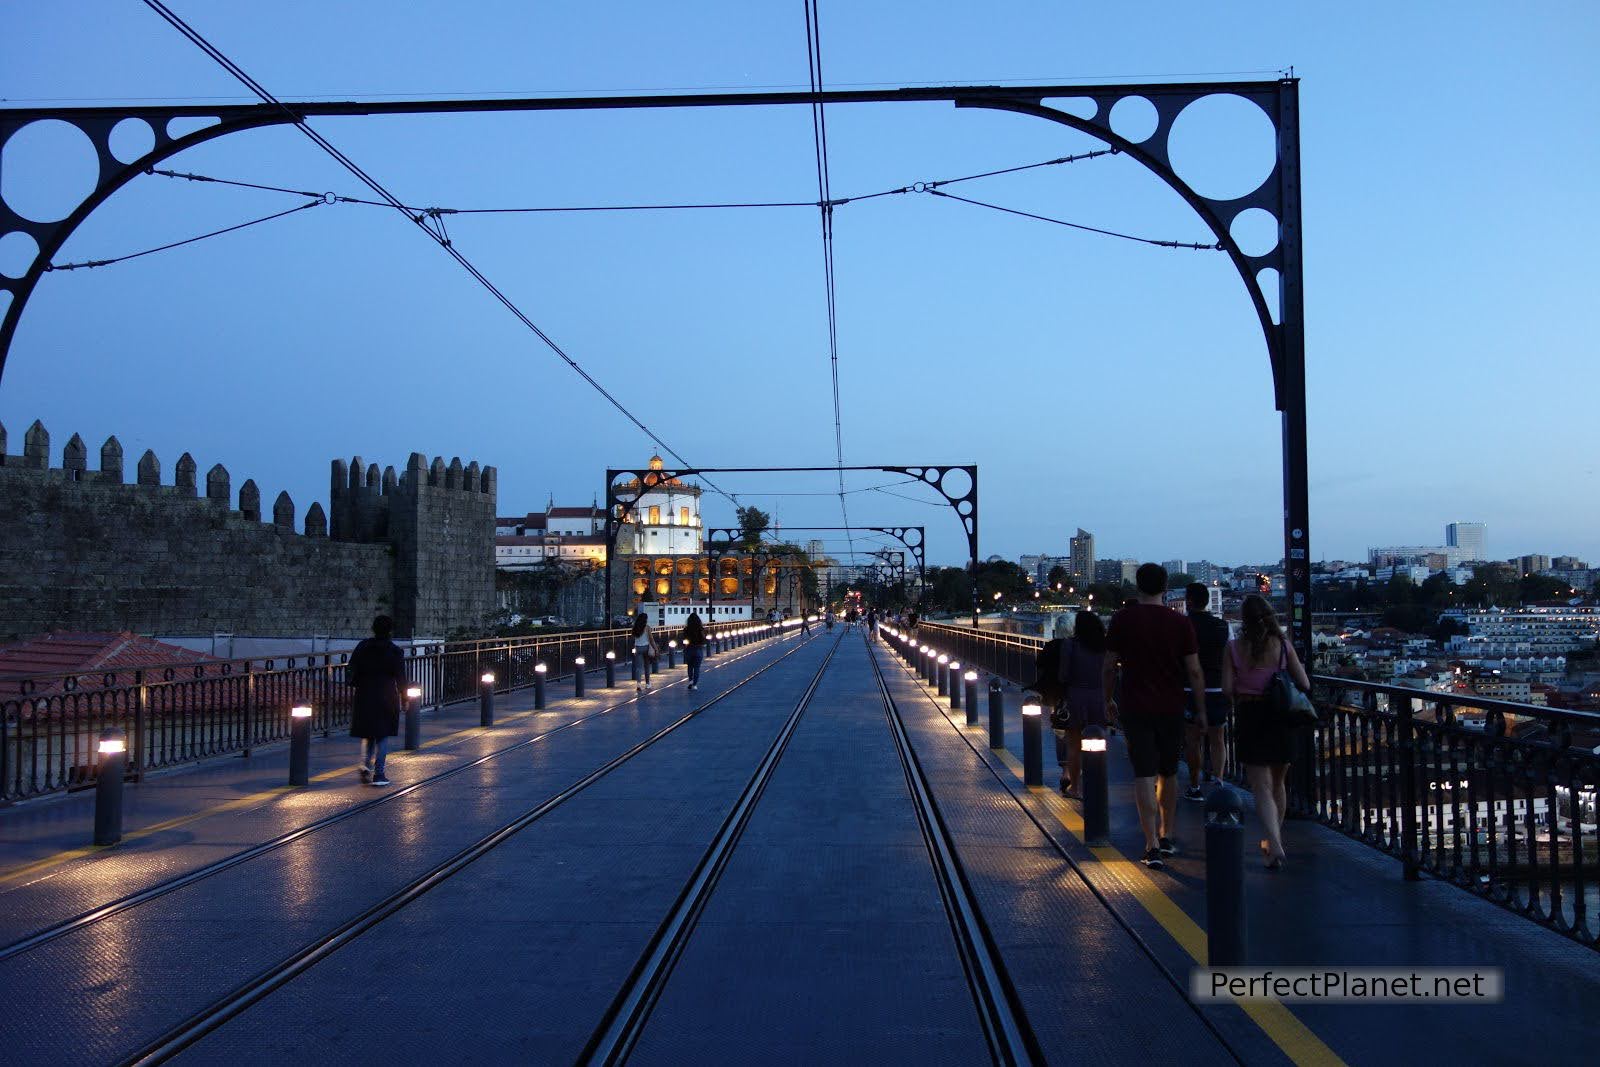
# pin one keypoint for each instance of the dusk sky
(1449, 155)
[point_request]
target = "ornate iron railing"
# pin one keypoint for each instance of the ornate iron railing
(1496, 797)
(187, 712)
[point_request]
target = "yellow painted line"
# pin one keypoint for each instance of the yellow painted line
(25, 870)
(1296, 1040)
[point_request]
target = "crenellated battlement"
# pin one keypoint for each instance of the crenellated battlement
(194, 553)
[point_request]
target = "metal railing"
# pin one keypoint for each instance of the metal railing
(1490, 795)
(187, 712)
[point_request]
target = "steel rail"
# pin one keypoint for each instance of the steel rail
(1005, 1021)
(1144, 946)
(131, 900)
(228, 1006)
(622, 1024)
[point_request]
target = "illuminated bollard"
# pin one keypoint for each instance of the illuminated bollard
(1096, 801)
(997, 715)
(672, 654)
(972, 698)
(300, 745)
(611, 670)
(634, 666)
(1032, 744)
(579, 665)
(108, 787)
(1225, 923)
(930, 664)
(413, 718)
(955, 687)
(486, 700)
(538, 686)
(941, 675)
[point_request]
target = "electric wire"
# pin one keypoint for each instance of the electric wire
(372, 183)
(90, 263)
(1214, 247)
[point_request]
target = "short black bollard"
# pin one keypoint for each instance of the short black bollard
(1032, 744)
(942, 675)
(611, 670)
(1096, 798)
(955, 687)
(108, 787)
(538, 686)
(930, 664)
(486, 700)
(972, 698)
(672, 654)
(997, 715)
(579, 666)
(300, 745)
(1225, 924)
(633, 667)
(413, 718)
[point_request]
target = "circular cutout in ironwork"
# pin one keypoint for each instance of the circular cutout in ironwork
(1134, 118)
(956, 483)
(1223, 146)
(130, 139)
(1255, 231)
(964, 507)
(49, 168)
(18, 250)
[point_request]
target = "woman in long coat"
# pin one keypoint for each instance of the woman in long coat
(377, 669)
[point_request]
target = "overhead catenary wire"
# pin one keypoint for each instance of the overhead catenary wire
(1215, 246)
(88, 263)
(420, 222)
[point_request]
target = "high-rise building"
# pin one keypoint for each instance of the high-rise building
(1082, 551)
(1203, 570)
(1175, 566)
(1470, 539)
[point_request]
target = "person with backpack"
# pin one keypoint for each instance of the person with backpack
(1211, 634)
(694, 647)
(1263, 735)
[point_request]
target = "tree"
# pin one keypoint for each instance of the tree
(1539, 587)
(949, 589)
(1003, 577)
(1059, 575)
(1412, 618)
(753, 522)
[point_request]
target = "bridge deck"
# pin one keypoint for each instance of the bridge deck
(824, 931)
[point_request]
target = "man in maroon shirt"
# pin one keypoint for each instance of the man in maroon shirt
(1159, 656)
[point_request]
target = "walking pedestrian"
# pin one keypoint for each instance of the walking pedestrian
(1211, 635)
(694, 647)
(1263, 738)
(872, 624)
(644, 648)
(1083, 702)
(1156, 651)
(377, 670)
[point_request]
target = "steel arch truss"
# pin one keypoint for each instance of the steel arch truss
(914, 538)
(1087, 108)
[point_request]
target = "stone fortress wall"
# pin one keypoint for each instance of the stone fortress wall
(84, 549)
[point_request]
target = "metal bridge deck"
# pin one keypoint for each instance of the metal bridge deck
(823, 928)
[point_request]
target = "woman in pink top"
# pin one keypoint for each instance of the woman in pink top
(1263, 739)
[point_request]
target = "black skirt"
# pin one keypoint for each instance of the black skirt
(1261, 736)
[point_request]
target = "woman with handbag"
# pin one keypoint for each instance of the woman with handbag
(644, 647)
(1083, 700)
(1263, 732)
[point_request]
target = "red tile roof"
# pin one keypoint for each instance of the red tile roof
(569, 513)
(63, 652)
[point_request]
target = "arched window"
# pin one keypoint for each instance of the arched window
(655, 514)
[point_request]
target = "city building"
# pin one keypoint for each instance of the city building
(1175, 566)
(665, 521)
(1388, 555)
(1469, 539)
(555, 535)
(1081, 553)
(1116, 570)
(1203, 570)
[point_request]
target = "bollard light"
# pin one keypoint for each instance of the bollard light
(488, 678)
(955, 687)
(415, 692)
(942, 675)
(1096, 801)
(611, 670)
(538, 686)
(413, 730)
(997, 715)
(1225, 917)
(300, 745)
(672, 654)
(108, 787)
(1032, 745)
(579, 665)
(971, 679)
(486, 700)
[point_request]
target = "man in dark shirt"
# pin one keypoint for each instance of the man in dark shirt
(1212, 635)
(1155, 648)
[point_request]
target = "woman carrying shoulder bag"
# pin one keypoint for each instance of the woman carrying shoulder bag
(643, 650)
(1083, 701)
(1263, 735)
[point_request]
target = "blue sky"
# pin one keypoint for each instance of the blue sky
(1450, 220)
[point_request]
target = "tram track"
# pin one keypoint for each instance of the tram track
(1007, 1033)
(132, 900)
(1143, 945)
(196, 1026)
